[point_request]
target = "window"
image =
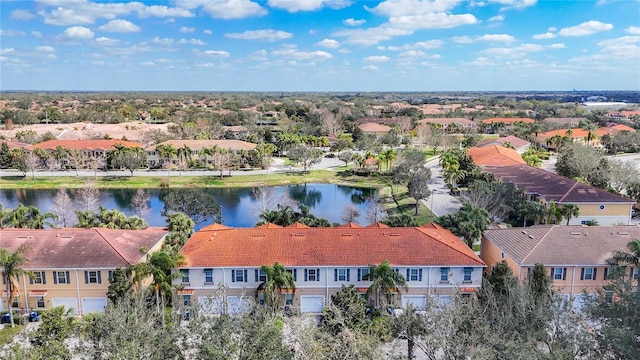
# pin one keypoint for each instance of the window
(184, 273)
(558, 273)
(341, 275)
(608, 296)
(39, 277)
(40, 301)
(261, 300)
(239, 275)
(261, 276)
(61, 277)
(363, 274)
(92, 277)
(635, 272)
(288, 300)
(588, 273)
(444, 274)
(414, 275)
(208, 276)
(186, 300)
(293, 273)
(467, 275)
(15, 301)
(312, 275)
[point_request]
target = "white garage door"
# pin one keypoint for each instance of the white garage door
(93, 305)
(417, 301)
(68, 303)
(237, 305)
(211, 304)
(311, 303)
(579, 302)
(445, 300)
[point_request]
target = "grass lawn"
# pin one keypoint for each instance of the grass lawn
(403, 204)
(8, 333)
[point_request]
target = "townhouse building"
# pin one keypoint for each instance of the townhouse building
(451, 125)
(222, 267)
(575, 257)
(89, 149)
(72, 267)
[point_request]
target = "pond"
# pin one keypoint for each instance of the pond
(239, 207)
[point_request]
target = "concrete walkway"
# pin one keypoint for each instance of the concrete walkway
(441, 202)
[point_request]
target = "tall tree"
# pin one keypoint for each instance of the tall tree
(468, 222)
(62, 206)
(569, 211)
(180, 227)
(630, 257)
(11, 264)
(29, 217)
(418, 186)
(200, 206)
(385, 281)
(277, 280)
(305, 155)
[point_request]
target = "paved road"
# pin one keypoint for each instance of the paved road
(441, 202)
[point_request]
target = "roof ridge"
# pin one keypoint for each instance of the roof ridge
(568, 191)
(97, 230)
(441, 240)
(537, 244)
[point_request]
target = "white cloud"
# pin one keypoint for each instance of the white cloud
(217, 53)
(192, 42)
(226, 9)
(36, 34)
(292, 53)
(513, 52)
(162, 41)
(586, 28)
(516, 4)
(462, 39)
(120, 26)
(547, 35)
(207, 31)
(78, 32)
(429, 44)
(308, 5)
(557, 46)
(497, 18)
(22, 15)
(328, 43)
(626, 47)
(206, 65)
(260, 55)
(148, 63)
(105, 41)
(354, 22)
(267, 34)
(405, 17)
(370, 67)
(376, 59)
(12, 33)
(633, 30)
(163, 11)
(186, 29)
(482, 62)
(45, 48)
(6, 51)
(497, 38)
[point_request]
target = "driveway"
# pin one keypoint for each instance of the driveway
(441, 202)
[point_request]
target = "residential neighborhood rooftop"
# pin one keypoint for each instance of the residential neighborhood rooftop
(494, 155)
(98, 144)
(197, 145)
(507, 120)
(563, 245)
(349, 246)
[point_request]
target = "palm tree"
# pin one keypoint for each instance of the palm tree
(554, 212)
(388, 155)
(385, 280)
(166, 152)
(29, 217)
(11, 263)
(591, 131)
(532, 210)
(569, 211)
(631, 257)
(278, 279)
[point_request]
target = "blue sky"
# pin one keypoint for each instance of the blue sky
(320, 45)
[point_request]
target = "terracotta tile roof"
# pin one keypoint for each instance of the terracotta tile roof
(197, 145)
(378, 225)
(553, 187)
(374, 127)
(613, 129)
(507, 120)
(515, 141)
(350, 225)
(562, 245)
(494, 155)
(103, 145)
(446, 121)
(82, 248)
(576, 133)
(345, 246)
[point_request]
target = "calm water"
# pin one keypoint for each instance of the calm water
(238, 206)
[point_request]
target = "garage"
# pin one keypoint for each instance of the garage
(68, 303)
(93, 305)
(211, 304)
(237, 305)
(311, 304)
(417, 301)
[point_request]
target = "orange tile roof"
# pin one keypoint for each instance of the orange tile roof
(446, 121)
(373, 127)
(507, 120)
(494, 155)
(515, 141)
(197, 145)
(339, 246)
(82, 248)
(84, 144)
(576, 133)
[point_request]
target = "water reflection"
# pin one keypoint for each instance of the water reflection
(239, 208)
